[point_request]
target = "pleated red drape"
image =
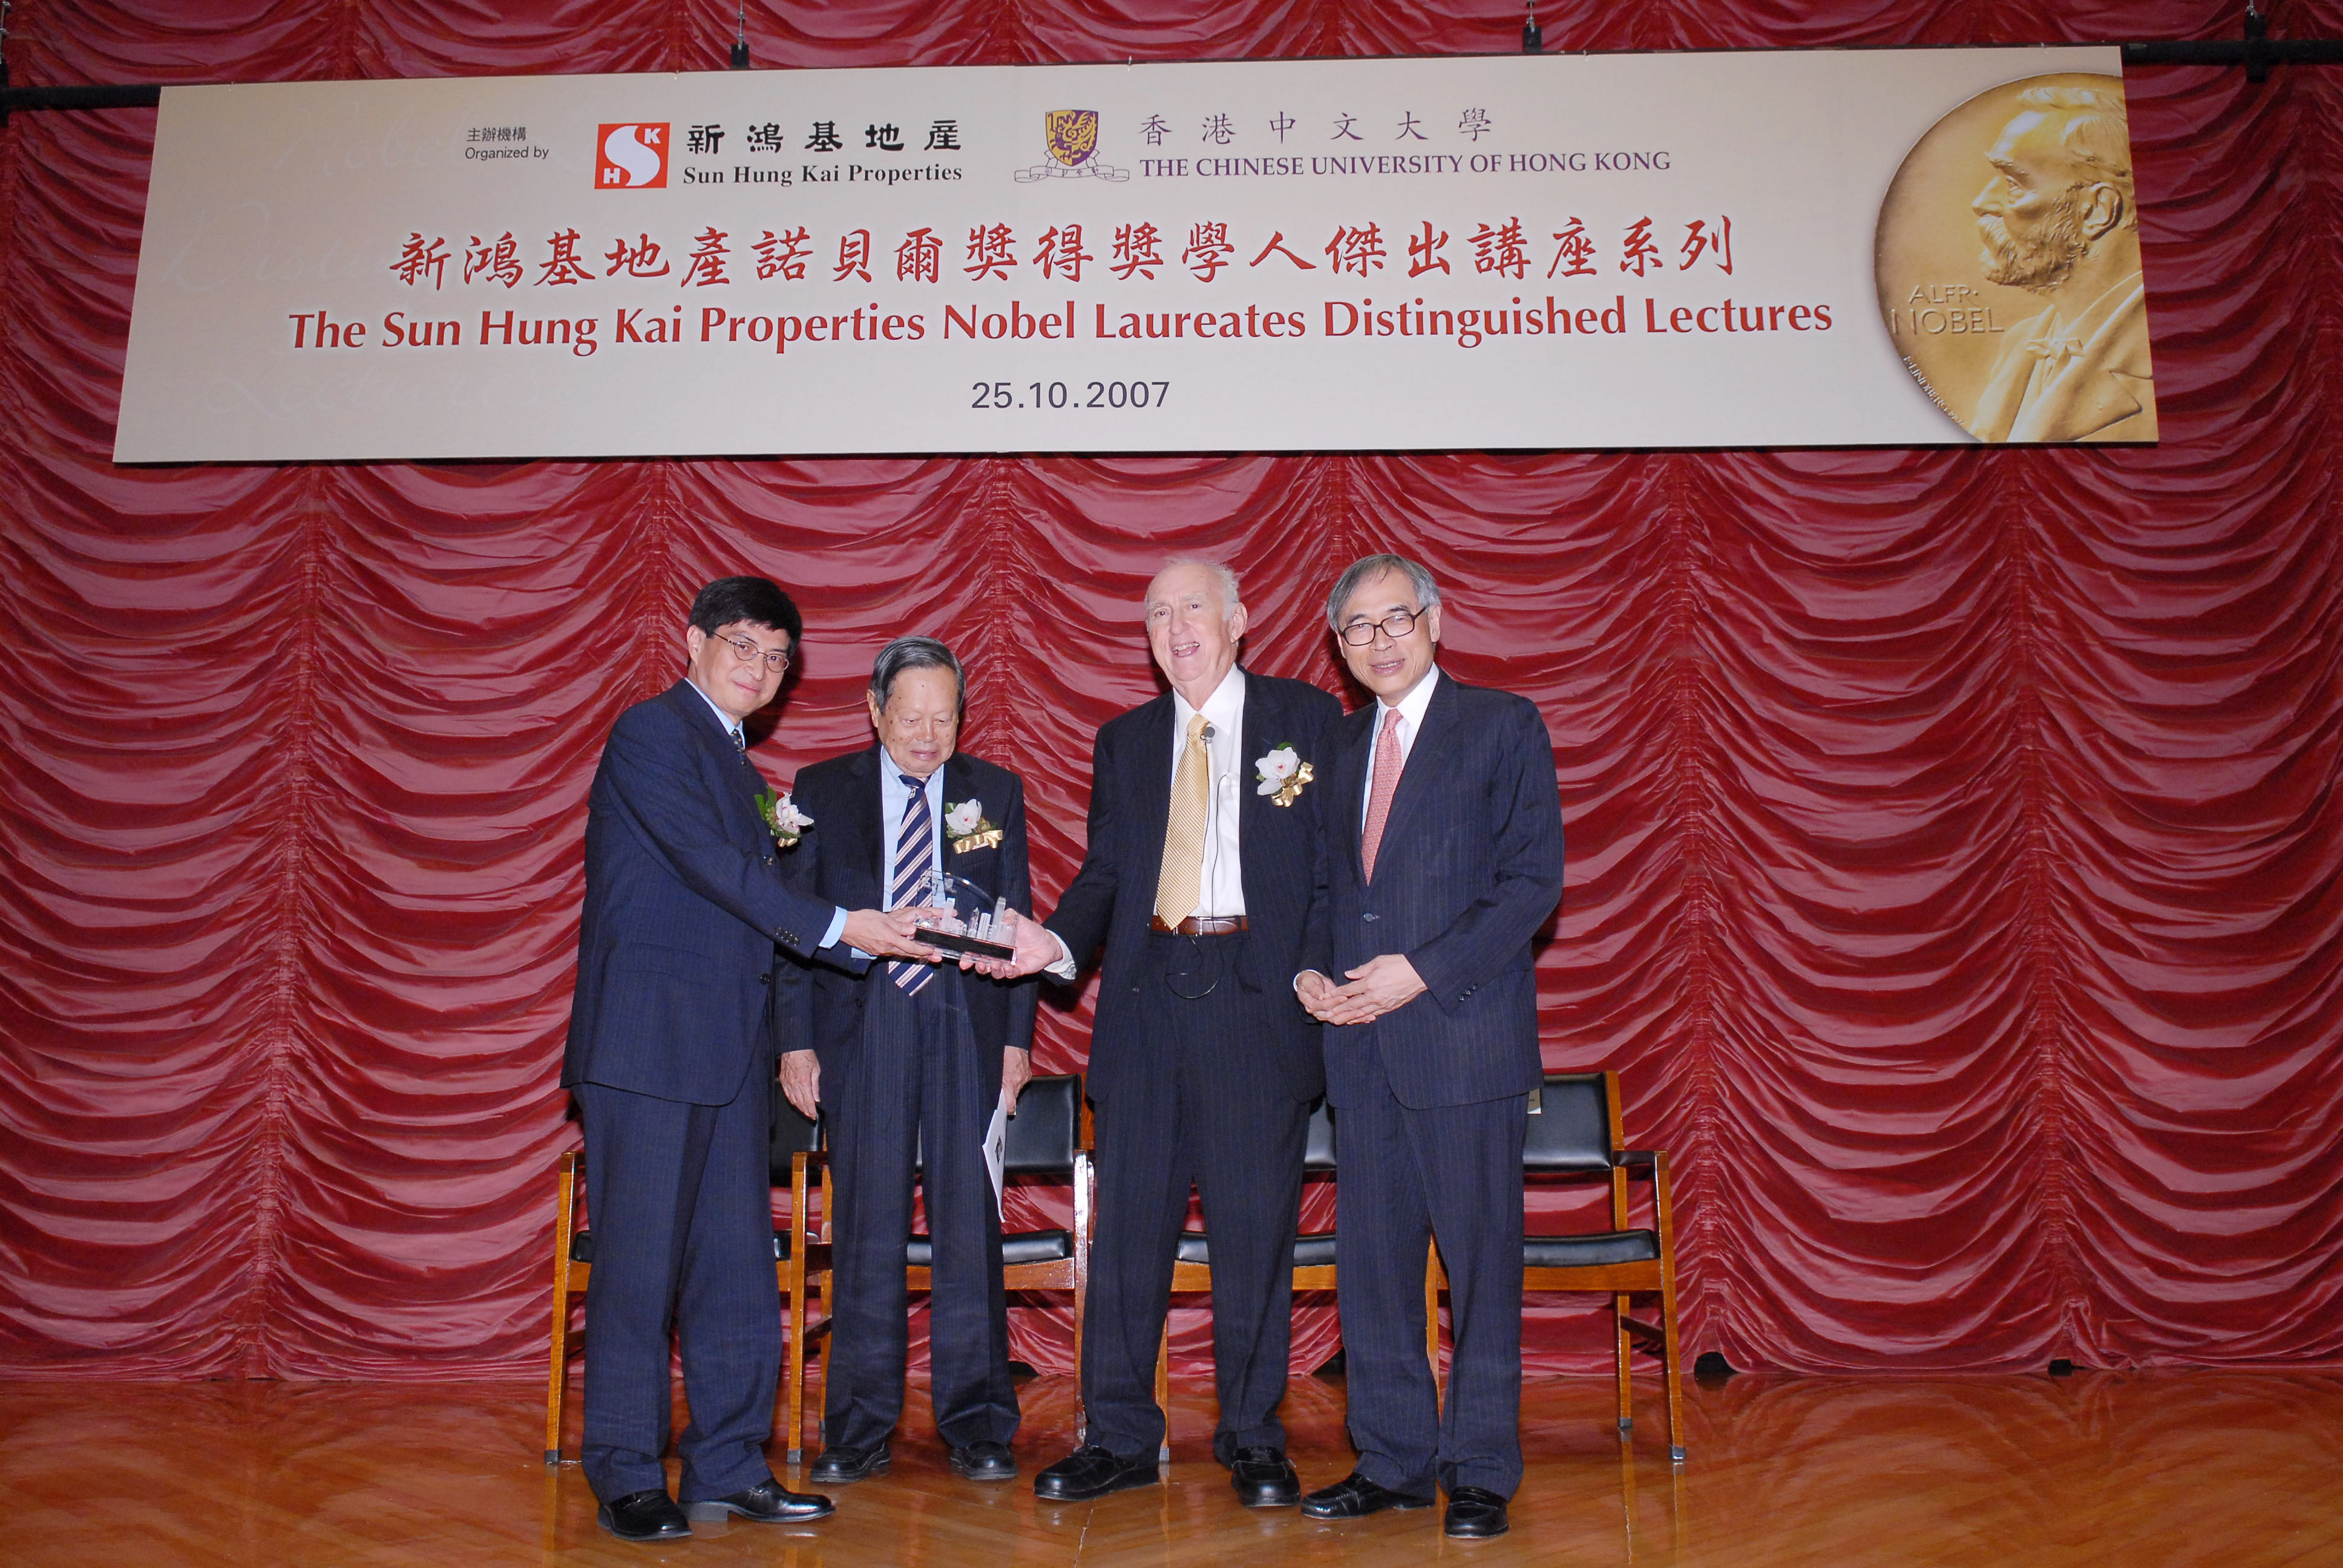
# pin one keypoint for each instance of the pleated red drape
(1954, 833)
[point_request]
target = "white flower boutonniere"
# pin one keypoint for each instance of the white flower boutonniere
(1283, 774)
(782, 819)
(965, 826)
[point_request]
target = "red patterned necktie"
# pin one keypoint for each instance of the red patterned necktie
(1386, 784)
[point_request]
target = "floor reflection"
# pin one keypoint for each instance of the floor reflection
(2145, 1468)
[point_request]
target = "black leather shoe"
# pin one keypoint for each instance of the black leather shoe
(767, 1502)
(984, 1462)
(1264, 1478)
(643, 1516)
(1475, 1514)
(837, 1467)
(1356, 1497)
(1092, 1471)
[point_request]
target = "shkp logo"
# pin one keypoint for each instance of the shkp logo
(631, 158)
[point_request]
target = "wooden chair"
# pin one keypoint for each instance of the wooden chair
(1576, 1133)
(795, 1140)
(1048, 1136)
(1192, 1265)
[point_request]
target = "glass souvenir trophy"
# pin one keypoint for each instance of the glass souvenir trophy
(968, 920)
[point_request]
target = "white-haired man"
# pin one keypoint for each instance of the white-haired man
(2057, 219)
(1203, 834)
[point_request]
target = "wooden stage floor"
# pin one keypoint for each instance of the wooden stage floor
(2135, 1470)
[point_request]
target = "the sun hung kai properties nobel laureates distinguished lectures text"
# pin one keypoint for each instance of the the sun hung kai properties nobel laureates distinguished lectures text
(1643, 250)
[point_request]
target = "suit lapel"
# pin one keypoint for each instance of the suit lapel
(1415, 781)
(1150, 784)
(1348, 767)
(738, 782)
(959, 786)
(1259, 733)
(867, 826)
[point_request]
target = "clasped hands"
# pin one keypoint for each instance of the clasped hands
(1381, 984)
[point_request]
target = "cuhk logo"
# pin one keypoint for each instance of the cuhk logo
(631, 158)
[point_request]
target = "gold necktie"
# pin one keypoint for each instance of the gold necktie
(1178, 887)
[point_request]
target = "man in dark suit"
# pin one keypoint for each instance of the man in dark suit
(669, 1057)
(1203, 826)
(1441, 860)
(911, 1063)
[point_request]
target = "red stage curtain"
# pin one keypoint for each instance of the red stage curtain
(1954, 838)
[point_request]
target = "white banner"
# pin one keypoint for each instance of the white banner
(1647, 250)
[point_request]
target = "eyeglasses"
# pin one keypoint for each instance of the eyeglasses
(1396, 625)
(748, 652)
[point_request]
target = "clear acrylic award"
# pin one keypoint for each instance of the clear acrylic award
(968, 920)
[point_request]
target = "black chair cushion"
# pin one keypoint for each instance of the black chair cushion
(1016, 1247)
(1047, 1127)
(793, 1133)
(1309, 1252)
(581, 1246)
(1318, 1144)
(1590, 1250)
(1571, 1131)
(1036, 1247)
(1313, 1251)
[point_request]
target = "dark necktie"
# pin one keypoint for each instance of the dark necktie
(914, 853)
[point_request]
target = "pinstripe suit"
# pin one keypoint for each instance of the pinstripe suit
(901, 1075)
(1431, 1098)
(1212, 1088)
(669, 1054)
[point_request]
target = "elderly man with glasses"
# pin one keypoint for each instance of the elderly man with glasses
(910, 1065)
(671, 1061)
(1440, 861)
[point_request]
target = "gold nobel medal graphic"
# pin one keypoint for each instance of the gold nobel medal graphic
(2008, 267)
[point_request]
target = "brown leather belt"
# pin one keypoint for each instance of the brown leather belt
(1199, 925)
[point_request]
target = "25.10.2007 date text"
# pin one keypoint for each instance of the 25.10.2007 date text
(1059, 395)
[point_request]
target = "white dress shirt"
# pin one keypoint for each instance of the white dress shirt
(1222, 886)
(1411, 706)
(732, 728)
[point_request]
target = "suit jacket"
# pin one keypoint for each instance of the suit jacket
(1113, 897)
(821, 1008)
(685, 904)
(1469, 869)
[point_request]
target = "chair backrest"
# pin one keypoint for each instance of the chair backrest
(1046, 1131)
(1318, 1152)
(792, 1134)
(1571, 1131)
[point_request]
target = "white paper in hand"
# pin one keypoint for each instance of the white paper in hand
(996, 1150)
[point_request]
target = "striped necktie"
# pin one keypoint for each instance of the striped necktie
(915, 850)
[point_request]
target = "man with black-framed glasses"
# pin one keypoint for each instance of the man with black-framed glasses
(1440, 861)
(671, 1061)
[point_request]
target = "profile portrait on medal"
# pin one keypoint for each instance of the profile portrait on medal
(2009, 266)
